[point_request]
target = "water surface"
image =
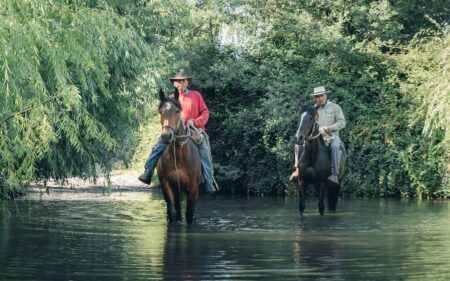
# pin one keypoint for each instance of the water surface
(125, 236)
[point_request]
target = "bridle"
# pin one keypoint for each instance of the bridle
(174, 132)
(310, 135)
(314, 128)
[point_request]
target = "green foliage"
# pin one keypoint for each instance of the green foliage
(255, 93)
(67, 95)
(427, 89)
(79, 80)
(146, 137)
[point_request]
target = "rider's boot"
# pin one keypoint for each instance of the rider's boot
(146, 177)
(333, 178)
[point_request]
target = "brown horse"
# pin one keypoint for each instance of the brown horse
(315, 165)
(179, 167)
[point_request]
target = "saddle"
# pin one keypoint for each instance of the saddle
(328, 138)
(342, 154)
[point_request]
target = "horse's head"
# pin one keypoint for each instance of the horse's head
(170, 110)
(307, 122)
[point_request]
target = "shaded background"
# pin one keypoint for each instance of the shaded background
(80, 78)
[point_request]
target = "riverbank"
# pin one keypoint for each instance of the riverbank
(122, 180)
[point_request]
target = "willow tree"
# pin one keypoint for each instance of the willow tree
(425, 154)
(71, 85)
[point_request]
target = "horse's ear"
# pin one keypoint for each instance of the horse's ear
(177, 94)
(302, 109)
(161, 95)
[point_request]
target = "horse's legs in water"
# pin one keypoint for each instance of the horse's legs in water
(170, 200)
(190, 208)
(322, 190)
(332, 195)
(301, 195)
(178, 205)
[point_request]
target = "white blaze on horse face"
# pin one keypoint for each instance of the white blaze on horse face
(302, 118)
(167, 107)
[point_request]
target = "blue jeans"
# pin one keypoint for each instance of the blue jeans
(205, 155)
(335, 147)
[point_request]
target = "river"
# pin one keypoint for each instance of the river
(125, 236)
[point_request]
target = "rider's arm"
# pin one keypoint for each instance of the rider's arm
(339, 120)
(203, 111)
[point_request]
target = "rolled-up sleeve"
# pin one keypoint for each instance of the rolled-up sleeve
(339, 120)
(203, 117)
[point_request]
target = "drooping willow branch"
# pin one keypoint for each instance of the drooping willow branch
(26, 110)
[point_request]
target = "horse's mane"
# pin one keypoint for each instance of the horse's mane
(175, 101)
(307, 108)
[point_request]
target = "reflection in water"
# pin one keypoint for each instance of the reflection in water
(126, 237)
(317, 256)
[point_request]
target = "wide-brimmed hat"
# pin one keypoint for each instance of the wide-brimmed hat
(181, 75)
(319, 91)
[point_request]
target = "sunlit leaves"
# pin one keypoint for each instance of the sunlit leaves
(64, 67)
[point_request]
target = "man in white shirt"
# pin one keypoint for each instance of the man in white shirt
(331, 121)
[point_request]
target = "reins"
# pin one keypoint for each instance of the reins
(177, 139)
(181, 143)
(314, 128)
(176, 170)
(319, 132)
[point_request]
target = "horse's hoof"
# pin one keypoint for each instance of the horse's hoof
(301, 211)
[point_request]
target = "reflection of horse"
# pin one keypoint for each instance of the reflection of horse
(179, 167)
(315, 165)
(189, 255)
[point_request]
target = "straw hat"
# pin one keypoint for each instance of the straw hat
(181, 75)
(319, 91)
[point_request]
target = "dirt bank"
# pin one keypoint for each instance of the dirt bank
(119, 181)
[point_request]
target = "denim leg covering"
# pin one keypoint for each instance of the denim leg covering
(155, 154)
(335, 146)
(207, 168)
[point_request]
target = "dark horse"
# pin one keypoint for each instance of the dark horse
(179, 167)
(315, 164)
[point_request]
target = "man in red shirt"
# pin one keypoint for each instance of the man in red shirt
(195, 110)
